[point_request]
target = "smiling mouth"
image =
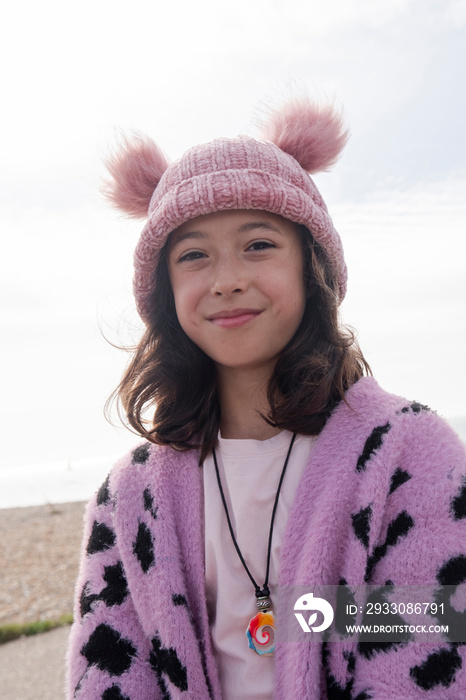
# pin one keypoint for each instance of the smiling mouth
(235, 318)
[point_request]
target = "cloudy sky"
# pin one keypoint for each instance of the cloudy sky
(76, 74)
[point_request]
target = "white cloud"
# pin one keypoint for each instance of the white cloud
(407, 288)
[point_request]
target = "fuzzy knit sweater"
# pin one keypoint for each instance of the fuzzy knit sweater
(383, 498)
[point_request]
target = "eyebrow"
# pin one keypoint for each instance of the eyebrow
(244, 228)
(180, 237)
(251, 225)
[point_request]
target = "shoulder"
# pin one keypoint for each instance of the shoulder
(158, 463)
(148, 469)
(411, 465)
(368, 399)
(410, 424)
(150, 486)
(408, 510)
(386, 441)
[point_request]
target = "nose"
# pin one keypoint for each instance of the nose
(229, 278)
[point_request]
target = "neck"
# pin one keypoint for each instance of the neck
(243, 398)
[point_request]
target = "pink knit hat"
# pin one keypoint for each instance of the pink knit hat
(239, 173)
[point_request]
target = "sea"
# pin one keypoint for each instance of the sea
(67, 481)
(53, 482)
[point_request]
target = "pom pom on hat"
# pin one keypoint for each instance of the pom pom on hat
(136, 168)
(313, 134)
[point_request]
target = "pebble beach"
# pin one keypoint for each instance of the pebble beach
(39, 557)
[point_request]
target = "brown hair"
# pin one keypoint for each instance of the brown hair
(175, 380)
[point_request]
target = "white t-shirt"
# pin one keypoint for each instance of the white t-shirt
(250, 471)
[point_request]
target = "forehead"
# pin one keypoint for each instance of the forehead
(238, 220)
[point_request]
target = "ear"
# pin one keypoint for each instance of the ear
(313, 134)
(135, 168)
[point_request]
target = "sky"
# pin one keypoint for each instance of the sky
(75, 76)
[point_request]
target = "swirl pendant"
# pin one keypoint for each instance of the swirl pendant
(261, 633)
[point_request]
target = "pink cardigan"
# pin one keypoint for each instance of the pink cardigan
(382, 498)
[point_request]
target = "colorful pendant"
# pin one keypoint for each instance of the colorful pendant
(261, 633)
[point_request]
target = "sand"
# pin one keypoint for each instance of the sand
(39, 557)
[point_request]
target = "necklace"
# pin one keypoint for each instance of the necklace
(261, 628)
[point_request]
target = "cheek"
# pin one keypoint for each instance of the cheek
(296, 306)
(182, 308)
(187, 297)
(291, 290)
(296, 309)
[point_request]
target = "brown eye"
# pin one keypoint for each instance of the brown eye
(195, 255)
(261, 245)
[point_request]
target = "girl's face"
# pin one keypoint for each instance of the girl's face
(237, 279)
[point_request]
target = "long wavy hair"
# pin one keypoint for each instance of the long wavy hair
(169, 394)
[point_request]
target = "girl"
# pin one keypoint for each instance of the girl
(271, 463)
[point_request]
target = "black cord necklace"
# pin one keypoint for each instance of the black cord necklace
(261, 628)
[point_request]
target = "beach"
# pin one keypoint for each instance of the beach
(39, 559)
